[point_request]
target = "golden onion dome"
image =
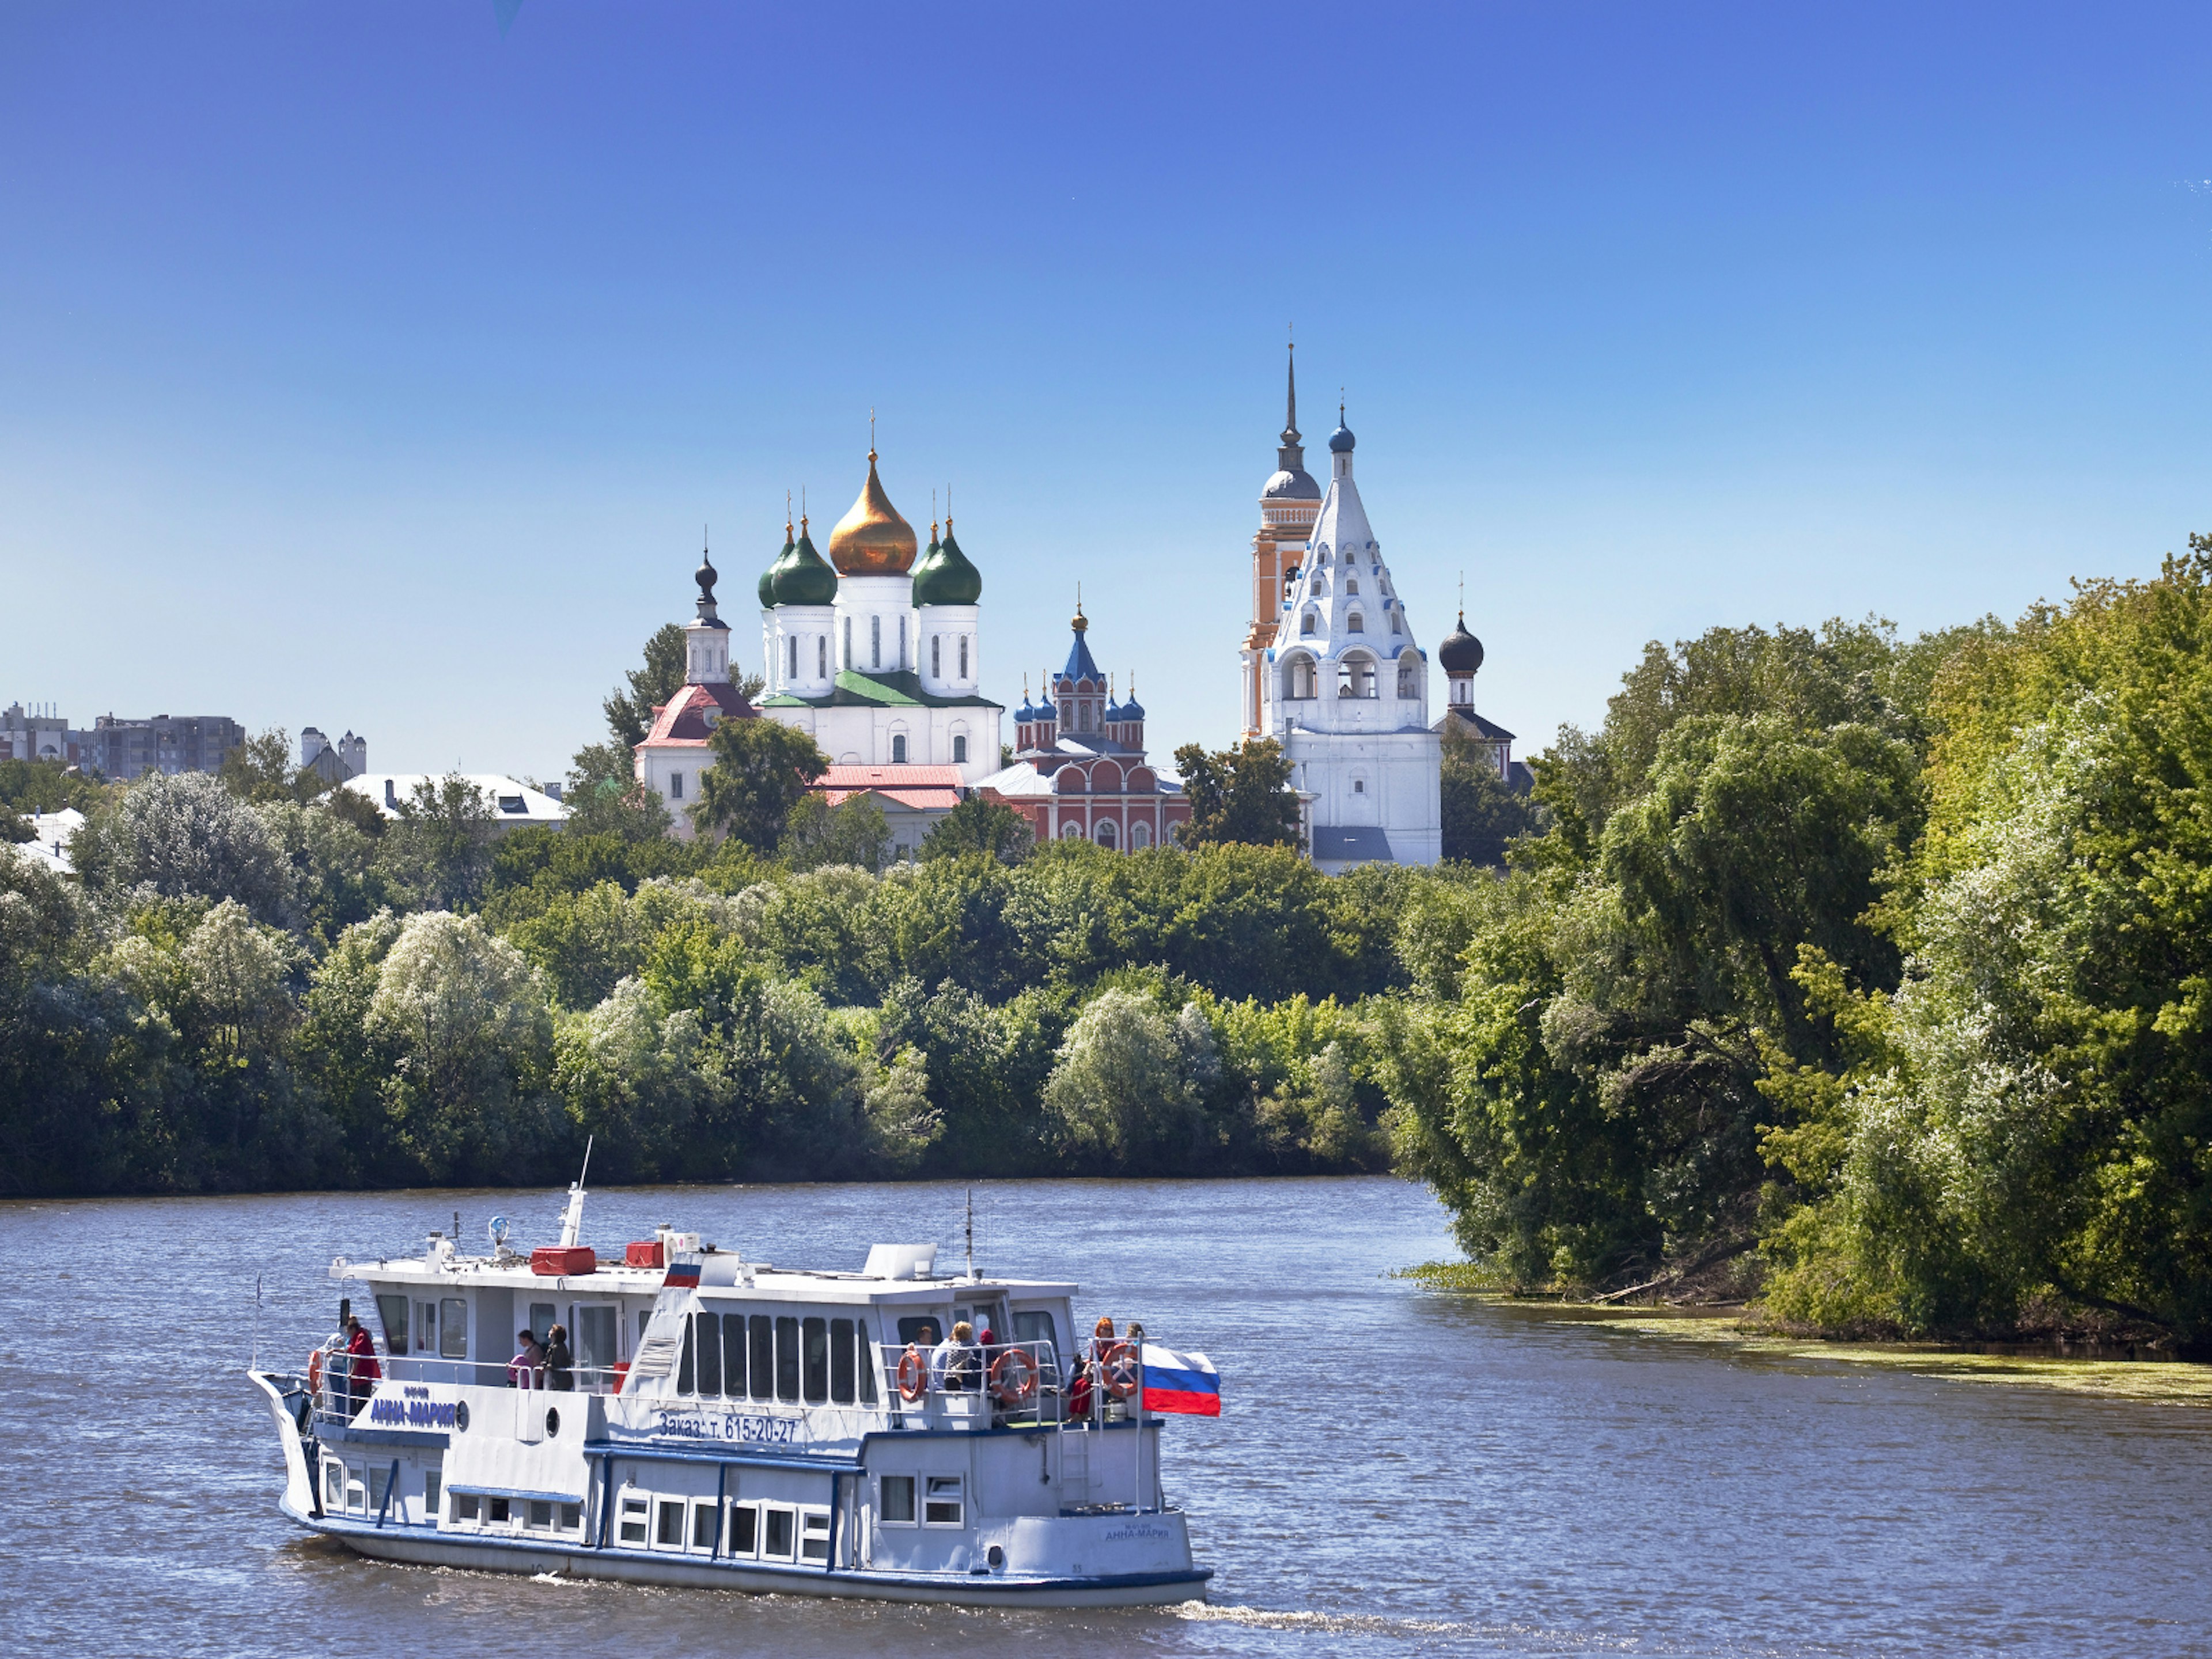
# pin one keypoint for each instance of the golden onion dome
(873, 540)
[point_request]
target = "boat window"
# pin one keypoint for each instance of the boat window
(502, 1511)
(841, 1361)
(685, 1365)
(814, 1535)
(744, 1530)
(334, 1479)
(924, 1330)
(710, 1354)
(541, 1316)
(895, 1499)
(787, 1357)
(572, 1517)
(453, 1328)
(430, 1493)
(644, 1318)
(867, 1364)
(704, 1516)
(426, 1328)
(941, 1503)
(670, 1530)
(733, 1355)
(595, 1346)
(780, 1525)
(393, 1311)
(760, 1346)
(817, 1361)
(467, 1506)
(1036, 1326)
(377, 1478)
(541, 1513)
(633, 1520)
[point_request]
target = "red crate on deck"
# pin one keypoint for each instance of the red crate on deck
(563, 1260)
(646, 1254)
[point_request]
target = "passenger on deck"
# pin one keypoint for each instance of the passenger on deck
(1086, 1392)
(953, 1364)
(560, 1363)
(362, 1371)
(526, 1370)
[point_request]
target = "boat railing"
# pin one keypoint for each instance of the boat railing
(340, 1395)
(1006, 1382)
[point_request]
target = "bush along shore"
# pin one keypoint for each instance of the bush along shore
(1863, 977)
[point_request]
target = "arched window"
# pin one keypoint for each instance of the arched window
(1352, 588)
(1071, 832)
(959, 749)
(848, 642)
(1355, 676)
(1357, 625)
(1298, 678)
(936, 650)
(1409, 676)
(1359, 785)
(822, 656)
(794, 656)
(1104, 837)
(1306, 626)
(898, 749)
(1141, 836)
(963, 656)
(875, 641)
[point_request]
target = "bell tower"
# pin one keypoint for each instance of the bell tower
(1289, 503)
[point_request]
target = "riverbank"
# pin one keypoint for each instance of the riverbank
(2137, 1374)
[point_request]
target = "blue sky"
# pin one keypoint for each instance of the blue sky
(362, 365)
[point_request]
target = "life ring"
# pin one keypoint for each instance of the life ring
(315, 1374)
(1013, 1377)
(1120, 1371)
(912, 1375)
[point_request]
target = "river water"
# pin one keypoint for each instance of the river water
(1395, 1471)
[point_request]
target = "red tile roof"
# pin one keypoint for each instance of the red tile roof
(923, 788)
(683, 719)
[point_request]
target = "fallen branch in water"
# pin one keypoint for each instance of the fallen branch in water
(1676, 1275)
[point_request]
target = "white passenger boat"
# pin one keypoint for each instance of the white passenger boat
(731, 1423)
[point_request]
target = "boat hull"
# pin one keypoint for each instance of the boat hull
(416, 1547)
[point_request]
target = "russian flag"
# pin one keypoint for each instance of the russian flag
(1183, 1383)
(682, 1276)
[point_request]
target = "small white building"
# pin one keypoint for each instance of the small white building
(1344, 688)
(514, 804)
(48, 845)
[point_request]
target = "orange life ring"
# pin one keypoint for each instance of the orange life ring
(1120, 1371)
(1013, 1377)
(315, 1372)
(912, 1375)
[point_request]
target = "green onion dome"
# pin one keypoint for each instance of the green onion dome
(803, 576)
(945, 575)
(768, 576)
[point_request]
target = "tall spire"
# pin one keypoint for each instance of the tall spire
(1291, 433)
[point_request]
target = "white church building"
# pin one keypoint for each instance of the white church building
(1333, 674)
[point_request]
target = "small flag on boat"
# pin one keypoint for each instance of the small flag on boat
(1181, 1382)
(682, 1276)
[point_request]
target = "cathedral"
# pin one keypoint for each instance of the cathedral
(875, 653)
(1331, 669)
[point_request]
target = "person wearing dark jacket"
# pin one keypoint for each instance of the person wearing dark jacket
(362, 1372)
(560, 1363)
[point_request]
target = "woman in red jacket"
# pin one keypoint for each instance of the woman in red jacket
(362, 1372)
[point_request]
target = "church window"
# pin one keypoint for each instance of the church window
(1409, 678)
(1352, 588)
(902, 656)
(1105, 836)
(963, 656)
(1140, 837)
(1359, 785)
(1358, 624)
(1355, 678)
(1071, 832)
(960, 750)
(822, 656)
(937, 656)
(898, 750)
(794, 656)
(1299, 678)
(676, 786)
(875, 641)
(848, 642)
(1306, 627)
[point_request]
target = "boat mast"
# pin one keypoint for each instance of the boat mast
(573, 1222)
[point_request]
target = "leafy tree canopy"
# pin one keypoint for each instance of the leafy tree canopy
(1241, 794)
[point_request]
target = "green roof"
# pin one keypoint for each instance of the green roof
(892, 690)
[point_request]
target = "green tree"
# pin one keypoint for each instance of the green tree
(1124, 1087)
(629, 713)
(1482, 814)
(1240, 795)
(762, 769)
(261, 769)
(437, 854)
(854, 831)
(976, 825)
(185, 837)
(604, 796)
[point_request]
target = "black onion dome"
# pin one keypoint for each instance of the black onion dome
(1461, 653)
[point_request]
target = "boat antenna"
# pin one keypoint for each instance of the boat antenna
(255, 1365)
(971, 1235)
(573, 1222)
